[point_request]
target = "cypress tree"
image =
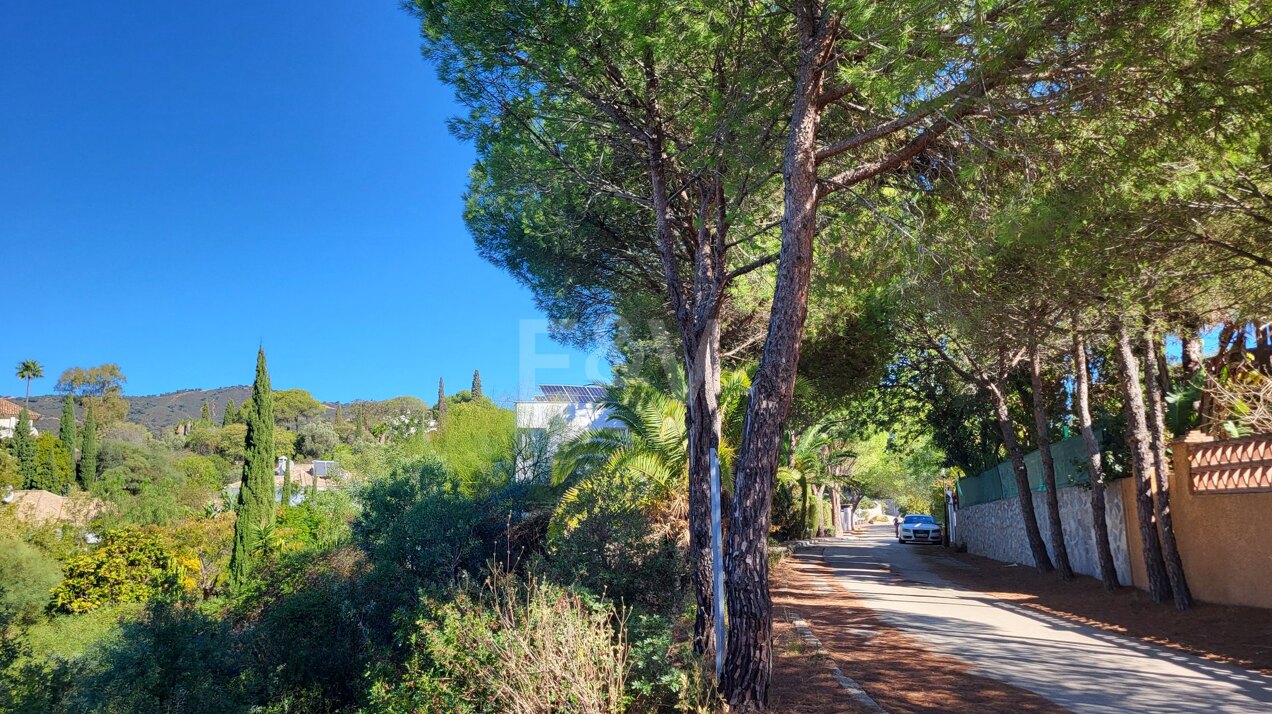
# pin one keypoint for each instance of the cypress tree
(205, 414)
(256, 495)
(88, 450)
(231, 413)
(476, 385)
(339, 416)
(66, 430)
(24, 449)
(47, 472)
(441, 398)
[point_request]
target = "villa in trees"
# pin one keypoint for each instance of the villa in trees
(9, 419)
(558, 413)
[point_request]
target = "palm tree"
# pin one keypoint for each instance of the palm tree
(644, 465)
(29, 369)
(807, 468)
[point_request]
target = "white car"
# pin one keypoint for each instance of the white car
(919, 529)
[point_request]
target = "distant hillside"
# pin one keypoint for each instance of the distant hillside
(163, 411)
(156, 412)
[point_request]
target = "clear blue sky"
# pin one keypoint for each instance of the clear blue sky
(184, 180)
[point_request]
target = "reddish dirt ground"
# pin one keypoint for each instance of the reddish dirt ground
(895, 669)
(1241, 636)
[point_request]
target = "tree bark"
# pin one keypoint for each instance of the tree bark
(748, 660)
(1038, 549)
(703, 417)
(818, 492)
(1082, 409)
(1153, 354)
(836, 505)
(1193, 353)
(1142, 462)
(1043, 437)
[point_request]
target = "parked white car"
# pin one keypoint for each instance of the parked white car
(919, 529)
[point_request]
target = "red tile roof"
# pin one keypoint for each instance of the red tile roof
(9, 409)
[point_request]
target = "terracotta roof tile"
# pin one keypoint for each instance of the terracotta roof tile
(10, 409)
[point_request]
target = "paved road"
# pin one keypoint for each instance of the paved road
(1080, 668)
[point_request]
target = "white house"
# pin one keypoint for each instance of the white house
(9, 419)
(559, 413)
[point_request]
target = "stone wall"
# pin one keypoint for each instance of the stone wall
(995, 530)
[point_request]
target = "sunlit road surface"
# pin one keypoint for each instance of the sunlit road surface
(1078, 667)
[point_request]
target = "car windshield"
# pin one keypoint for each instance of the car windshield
(912, 520)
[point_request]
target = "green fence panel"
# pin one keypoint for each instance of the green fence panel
(999, 482)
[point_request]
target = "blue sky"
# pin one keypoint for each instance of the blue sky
(184, 180)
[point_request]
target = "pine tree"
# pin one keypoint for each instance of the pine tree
(256, 495)
(24, 449)
(441, 398)
(88, 449)
(205, 414)
(231, 414)
(339, 416)
(66, 430)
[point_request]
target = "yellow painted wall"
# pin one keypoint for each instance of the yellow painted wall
(1225, 539)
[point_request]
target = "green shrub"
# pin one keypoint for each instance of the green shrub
(26, 578)
(129, 566)
(418, 523)
(171, 659)
(619, 552)
(519, 646)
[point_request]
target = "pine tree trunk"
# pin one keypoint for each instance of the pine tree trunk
(1024, 495)
(703, 418)
(1155, 384)
(749, 654)
(1099, 518)
(1193, 353)
(1043, 437)
(1142, 463)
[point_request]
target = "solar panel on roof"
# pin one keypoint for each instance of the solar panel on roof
(572, 393)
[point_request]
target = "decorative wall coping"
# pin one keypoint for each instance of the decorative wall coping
(1241, 465)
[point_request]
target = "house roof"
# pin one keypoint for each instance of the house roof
(39, 506)
(571, 393)
(10, 409)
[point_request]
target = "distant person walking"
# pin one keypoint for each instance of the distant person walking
(896, 525)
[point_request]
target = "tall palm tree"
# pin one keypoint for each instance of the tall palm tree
(645, 464)
(29, 369)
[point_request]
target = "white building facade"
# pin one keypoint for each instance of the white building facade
(558, 414)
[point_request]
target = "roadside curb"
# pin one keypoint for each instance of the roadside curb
(850, 685)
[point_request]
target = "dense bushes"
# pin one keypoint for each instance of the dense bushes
(26, 577)
(129, 566)
(364, 598)
(518, 646)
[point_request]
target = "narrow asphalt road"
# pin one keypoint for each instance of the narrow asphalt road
(1078, 667)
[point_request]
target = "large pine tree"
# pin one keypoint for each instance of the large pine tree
(66, 429)
(256, 496)
(88, 448)
(477, 384)
(24, 449)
